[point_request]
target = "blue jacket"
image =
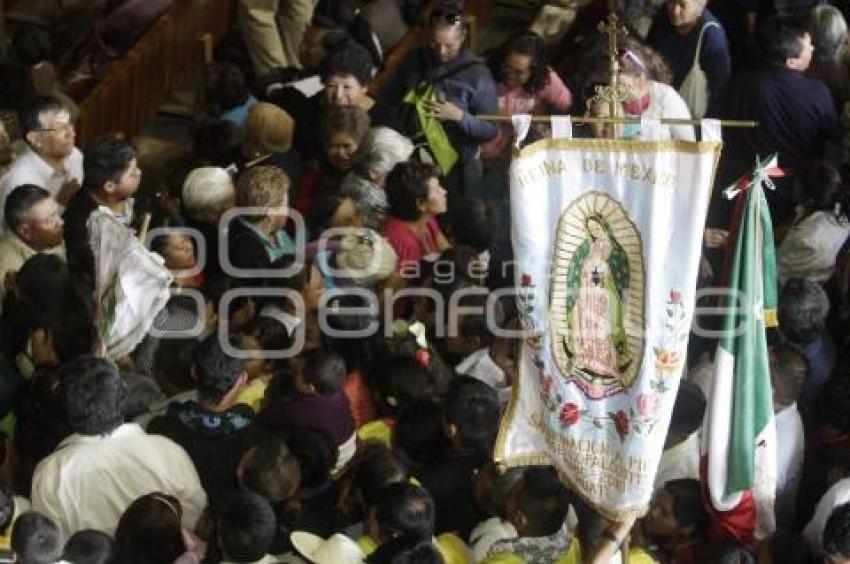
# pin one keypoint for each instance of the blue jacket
(465, 81)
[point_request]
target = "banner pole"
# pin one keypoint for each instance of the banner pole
(584, 119)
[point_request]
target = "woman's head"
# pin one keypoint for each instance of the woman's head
(446, 32)
(267, 188)
(381, 149)
(343, 129)
(208, 192)
(414, 190)
(828, 30)
(150, 531)
(268, 129)
(522, 62)
(346, 74)
(638, 66)
(684, 14)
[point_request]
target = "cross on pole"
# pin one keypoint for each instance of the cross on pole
(613, 93)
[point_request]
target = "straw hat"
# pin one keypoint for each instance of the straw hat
(337, 549)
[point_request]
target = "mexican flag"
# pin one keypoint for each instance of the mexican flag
(739, 435)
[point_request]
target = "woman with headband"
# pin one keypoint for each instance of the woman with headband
(646, 78)
(436, 95)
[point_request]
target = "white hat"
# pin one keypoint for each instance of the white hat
(366, 259)
(337, 549)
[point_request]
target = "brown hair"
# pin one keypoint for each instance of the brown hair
(262, 187)
(268, 129)
(638, 59)
(351, 120)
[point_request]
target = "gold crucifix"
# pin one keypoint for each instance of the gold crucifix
(613, 93)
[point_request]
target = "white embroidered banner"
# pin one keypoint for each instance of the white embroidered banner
(607, 235)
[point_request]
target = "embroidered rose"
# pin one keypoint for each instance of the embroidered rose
(570, 414)
(675, 297)
(621, 423)
(647, 405)
(526, 279)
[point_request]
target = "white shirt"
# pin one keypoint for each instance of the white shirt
(679, 461)
(487, 533)
(29, 168)
(811, 247)
(666, 102)
(480, 365)
(789, 464)
(89, 481)
(838, 494)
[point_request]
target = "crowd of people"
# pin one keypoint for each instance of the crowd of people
(327, 380)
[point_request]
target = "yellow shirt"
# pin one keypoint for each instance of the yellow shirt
(451, 547)
(253, 393)
(573, 555)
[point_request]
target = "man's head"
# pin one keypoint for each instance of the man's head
(33, 215)
(47, 128)
(320, 372)
(219, 375)
(784, 41)
(271, 470)
(246, 528)
(110, 170)
(802, 312)
(836, 536)
(91, 391)
(676, 511)
(471, 413)
(36, 539)
(402, 509)
(538, 504)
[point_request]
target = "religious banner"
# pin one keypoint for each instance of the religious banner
(607, 238)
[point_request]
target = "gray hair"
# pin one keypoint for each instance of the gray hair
(369, 199)
(205, 191)
(381, 149)
(829, 31)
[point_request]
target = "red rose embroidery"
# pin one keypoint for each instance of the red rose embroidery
(526, 279)
(570, 414)
(675, 297)
(621, 423)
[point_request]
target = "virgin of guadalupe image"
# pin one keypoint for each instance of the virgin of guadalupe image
(597, 280)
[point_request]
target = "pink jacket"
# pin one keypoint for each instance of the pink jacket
(554, 98)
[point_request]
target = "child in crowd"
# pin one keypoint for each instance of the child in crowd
(246, 529)
(89, 547)
(537, 508)
(317, 400)
(271, 470)
(36, 539)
